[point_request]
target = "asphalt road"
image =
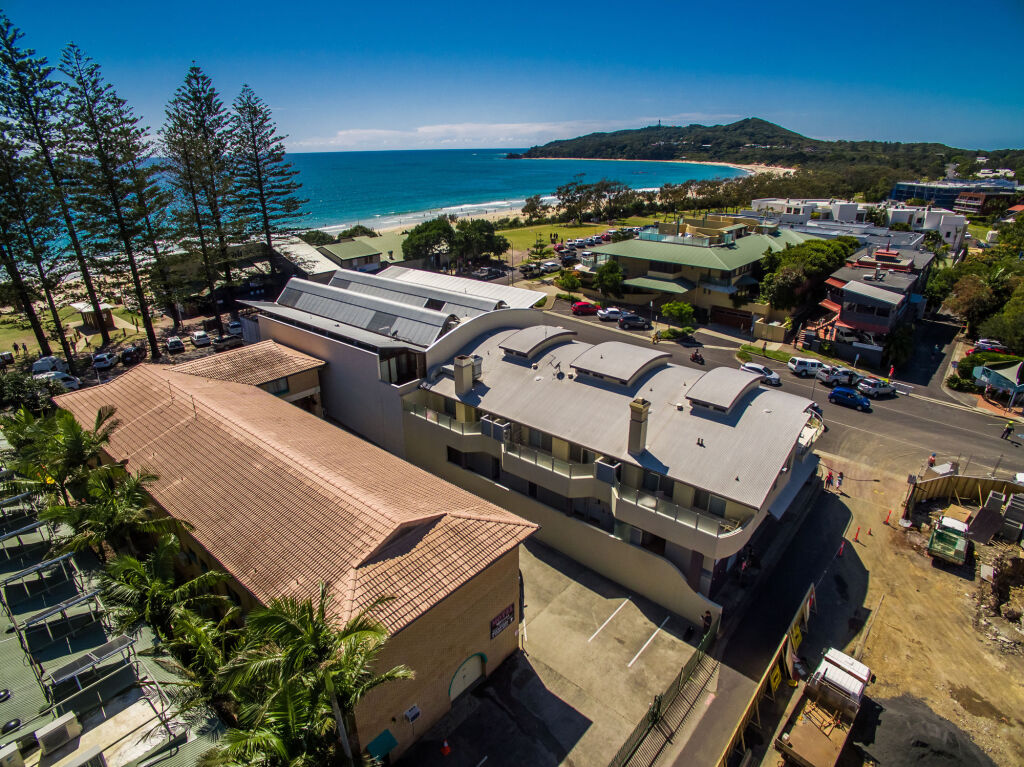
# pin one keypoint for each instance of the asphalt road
(898, 434)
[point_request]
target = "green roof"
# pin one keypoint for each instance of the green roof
(746, 250)
(660, 286)
(343, 251)
(385, 242)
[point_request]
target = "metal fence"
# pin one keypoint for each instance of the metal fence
(669, 710)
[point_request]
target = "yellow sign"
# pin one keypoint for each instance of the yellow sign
(775, 677)
(796, 636)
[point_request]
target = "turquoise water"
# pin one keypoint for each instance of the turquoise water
(384, 189)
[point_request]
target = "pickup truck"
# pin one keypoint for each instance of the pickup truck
(948, 541)
(833, 375)
(819, 724)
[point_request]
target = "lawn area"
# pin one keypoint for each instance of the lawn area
(978, 231)
(523, 239)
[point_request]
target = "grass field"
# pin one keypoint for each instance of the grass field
(523, 239)
(978, 231)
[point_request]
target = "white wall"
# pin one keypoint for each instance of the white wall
(353, 394)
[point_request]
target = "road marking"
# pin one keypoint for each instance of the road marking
(609, 618)
(628, 665)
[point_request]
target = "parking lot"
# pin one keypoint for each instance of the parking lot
(595, 656)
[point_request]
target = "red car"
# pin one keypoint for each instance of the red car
(584, 307)
(559, 246)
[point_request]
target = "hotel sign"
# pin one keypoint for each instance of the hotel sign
(502, 621)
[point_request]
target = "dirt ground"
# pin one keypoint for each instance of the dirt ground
(926, 635)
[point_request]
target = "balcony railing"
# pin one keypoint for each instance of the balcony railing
(441, 419)
(705, 523)
(546, 461)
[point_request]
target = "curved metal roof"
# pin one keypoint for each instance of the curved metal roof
(416, 294)
(618, 360)
(378, 315)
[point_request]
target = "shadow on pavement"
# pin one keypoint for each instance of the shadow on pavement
(509, 719)
(920, 370)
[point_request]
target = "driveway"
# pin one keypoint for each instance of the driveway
(595, 656)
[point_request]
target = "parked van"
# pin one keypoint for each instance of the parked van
(49, 364)
(804, 366)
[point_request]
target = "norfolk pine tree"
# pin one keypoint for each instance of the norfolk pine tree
(196, 139)
(30, 98)
(264, 183)
(30, 228)
(109, 142)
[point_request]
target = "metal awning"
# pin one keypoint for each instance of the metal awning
(36, 568)
(832, 306)
(21, 531)
(58, 609)
(679, 286)
(90, 660)
(382, 745)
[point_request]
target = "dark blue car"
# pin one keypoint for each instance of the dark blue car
(844, 395)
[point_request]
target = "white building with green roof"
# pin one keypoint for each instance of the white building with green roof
(716, 274)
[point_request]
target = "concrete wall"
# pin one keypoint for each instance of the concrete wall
(637, 569)
(352, 392)
(765, 332)
(434, 646)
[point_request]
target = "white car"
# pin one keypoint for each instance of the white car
(199, 338)
(804, 366)
(235, 328)
(66, 380)
(768, 375)
(876, 387)
(104, 361)
(609, 314)
(550, 266)
(47, 364)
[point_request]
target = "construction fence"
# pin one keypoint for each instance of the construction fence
(669, 710)
(780, 666)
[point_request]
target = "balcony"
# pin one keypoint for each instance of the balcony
(441, 419)
(568, 478)
(682, 525)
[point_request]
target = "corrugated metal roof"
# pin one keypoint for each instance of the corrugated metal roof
(662, 286)
(722, 387)
(745, 250)
(329, 328)
(618, 360)
(742, 453)
(876, 294)
(379, 315)
(516, 298)
(425, 296)
(347, 250)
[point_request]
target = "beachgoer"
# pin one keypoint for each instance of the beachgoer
(839, 483)
(828, 481)
(931, 460)
(1007, 430)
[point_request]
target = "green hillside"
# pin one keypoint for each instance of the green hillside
(753, 140)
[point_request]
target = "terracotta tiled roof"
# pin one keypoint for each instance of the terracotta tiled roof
(256, 364)
(284, 500)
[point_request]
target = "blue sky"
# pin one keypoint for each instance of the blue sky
(408, 75)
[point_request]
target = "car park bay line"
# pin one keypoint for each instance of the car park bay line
(609, 620)
(651, 639)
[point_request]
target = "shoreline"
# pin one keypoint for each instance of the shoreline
(510, 208)
(751, 168)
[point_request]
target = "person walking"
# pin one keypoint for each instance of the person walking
(1007, 430)
(707, 623)
(839, 483)
(828, 481)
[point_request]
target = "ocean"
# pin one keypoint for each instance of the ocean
(389, 189)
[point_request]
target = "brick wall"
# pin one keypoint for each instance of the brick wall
(435, 646)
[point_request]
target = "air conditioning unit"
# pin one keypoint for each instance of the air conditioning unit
(412, 714)
(10, 756)
(57, 733)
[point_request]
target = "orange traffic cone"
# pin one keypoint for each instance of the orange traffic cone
(445, 748)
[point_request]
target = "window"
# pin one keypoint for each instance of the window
(277, 386)
(456, 456)
(705, 501)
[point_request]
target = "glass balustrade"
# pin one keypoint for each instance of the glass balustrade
(441, 419)
(547, 461)
(705, 523)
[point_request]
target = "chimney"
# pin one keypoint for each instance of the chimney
(463, 374)
(638, 410)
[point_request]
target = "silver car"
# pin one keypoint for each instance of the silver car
(768, 375)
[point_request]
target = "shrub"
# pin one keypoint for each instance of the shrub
(673, 333)
(956, 383)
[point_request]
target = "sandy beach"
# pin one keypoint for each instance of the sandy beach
(750, 168)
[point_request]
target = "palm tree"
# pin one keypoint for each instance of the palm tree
(292, 730)
(144, 592)
(56, 454)
(293, 639)
(116, 510)
(201, 648)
